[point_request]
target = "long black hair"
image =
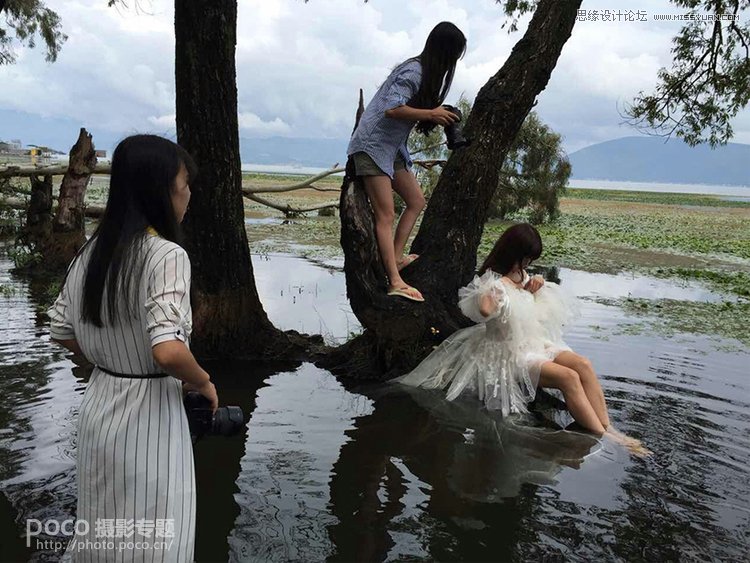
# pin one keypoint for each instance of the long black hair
(444, 46)
(144, 168)
(516, 243)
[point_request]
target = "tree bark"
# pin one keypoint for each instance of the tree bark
(399, 333)
(229, 320)
(68, 227)
(38, 229)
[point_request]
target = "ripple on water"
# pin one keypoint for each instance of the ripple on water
(380, 473)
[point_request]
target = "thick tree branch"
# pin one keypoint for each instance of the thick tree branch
(398, 333)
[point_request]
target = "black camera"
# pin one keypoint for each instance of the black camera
(226, 421)
(453, 132)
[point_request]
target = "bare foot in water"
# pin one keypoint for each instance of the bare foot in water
(634, 446)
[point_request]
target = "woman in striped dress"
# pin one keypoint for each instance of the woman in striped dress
(125, 306)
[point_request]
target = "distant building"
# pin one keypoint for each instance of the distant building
(13, 148)
(101, 154)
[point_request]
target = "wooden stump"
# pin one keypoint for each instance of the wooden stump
(38, 229)
(68, 227)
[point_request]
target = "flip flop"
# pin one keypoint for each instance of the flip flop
(405, 261)
(404, 292)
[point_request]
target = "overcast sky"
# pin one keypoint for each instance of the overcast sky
(299, 65)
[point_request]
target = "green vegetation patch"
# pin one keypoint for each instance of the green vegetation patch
(283, 179)
(733, 282)
(309, 237)
(607, 236)
(697, 200)
(686, 232)
(670, 316)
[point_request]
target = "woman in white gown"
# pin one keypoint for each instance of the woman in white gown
(516, 345)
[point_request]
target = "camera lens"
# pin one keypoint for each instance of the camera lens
(453, 132)
(227, 421)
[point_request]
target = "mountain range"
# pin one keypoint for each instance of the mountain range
(650, 159)
(633, 159)
(628, 159)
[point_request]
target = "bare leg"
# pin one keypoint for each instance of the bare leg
(381, 198)
(582, 366)
(406, 185)
(590, 382)
(569, 382)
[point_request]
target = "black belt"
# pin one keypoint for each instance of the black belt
(133, 376)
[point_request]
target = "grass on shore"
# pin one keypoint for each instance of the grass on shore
(663, 198)
(680, 237)
(705, 238)
(595, 232)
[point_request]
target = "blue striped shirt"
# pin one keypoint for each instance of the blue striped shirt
(383, 137)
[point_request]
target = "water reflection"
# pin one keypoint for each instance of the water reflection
(326, 472)
(305, 296)
(294, 438)
(372, 474)
(217, 458)
(377, 473)
(40, 401)
(442, 475)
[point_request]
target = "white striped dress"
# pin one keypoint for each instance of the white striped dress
(135, 473)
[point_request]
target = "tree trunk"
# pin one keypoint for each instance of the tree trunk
(68, 227)
(399, 333)
(229, 319)
(38, 229)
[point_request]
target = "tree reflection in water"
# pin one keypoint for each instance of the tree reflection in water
(469, 467)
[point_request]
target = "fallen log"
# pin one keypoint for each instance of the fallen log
(91, 211)
(50, 170)
(287, 209)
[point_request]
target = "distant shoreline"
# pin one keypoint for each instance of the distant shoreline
(286, 169)
(742, 192)
(738, 193)
(661, 187)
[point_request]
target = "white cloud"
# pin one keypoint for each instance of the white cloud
(164, 121)
(300, 65)
(251, 123)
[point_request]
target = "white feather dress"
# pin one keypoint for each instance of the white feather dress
(498, 360)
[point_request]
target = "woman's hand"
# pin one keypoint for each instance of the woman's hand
(442, 116)
(206, 389)
(534, 284)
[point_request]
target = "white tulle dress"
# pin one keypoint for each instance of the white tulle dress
(499, 359)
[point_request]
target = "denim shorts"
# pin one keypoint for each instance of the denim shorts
(364, 165)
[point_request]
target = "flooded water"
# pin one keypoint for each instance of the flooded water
(373, 473)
